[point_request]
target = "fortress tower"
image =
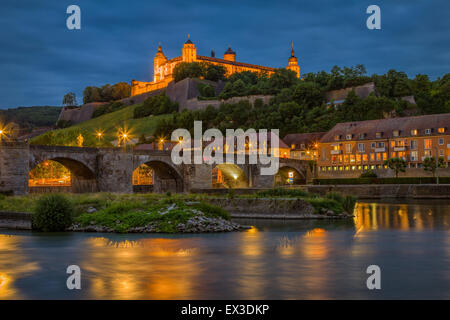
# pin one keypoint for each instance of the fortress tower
(159, 61)
(293, 63)
(189, 53)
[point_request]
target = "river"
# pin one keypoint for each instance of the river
(275, 259)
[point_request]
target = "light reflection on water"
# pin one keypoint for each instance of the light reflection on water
(276, 259)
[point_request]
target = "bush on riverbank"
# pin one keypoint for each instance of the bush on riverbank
(53, 213)
(333, 201)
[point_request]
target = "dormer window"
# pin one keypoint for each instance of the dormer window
(292, 146)
(379, 134)
(427, 131)
(337, 137)
(362, 135)
(396, 133)
(414, 132)
(349, 136)
(441, 130)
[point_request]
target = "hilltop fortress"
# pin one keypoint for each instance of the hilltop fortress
(163, 67)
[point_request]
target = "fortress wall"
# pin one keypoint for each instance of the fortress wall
(361, 91)
(81, 114)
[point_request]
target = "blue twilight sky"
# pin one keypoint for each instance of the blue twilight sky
(41, 60)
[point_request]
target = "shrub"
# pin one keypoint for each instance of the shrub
(155, 105)
(53, 213)
(108, 108)
(349, 204)
(335, 196)
(368, 174)
(206, 90)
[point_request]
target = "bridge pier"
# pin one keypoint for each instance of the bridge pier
(115, 171)
(14, 167)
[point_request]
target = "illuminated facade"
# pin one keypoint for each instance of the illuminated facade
(358, 146)
(163, 67)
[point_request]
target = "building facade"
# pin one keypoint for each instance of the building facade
(163, 67)
(303, 146)
(353, 147)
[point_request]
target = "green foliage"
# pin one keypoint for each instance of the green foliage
(68, 137)
(321, 204)
(368, 174)
(167, 213)
(206, 90)
(201, 70)
(211, 210)
(31, 117)
(61, 124)
(431, 164)
(282, 192)
(107, 92)
(347, 202)
(396, 164)
(108, 108)
(53, 213)
(405, 180)
(155, 105)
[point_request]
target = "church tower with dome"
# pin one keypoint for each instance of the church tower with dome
(293, 63)
(163, 67)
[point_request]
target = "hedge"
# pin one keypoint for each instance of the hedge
(406, 180)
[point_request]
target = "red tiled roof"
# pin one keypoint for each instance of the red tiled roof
(241, 64)
(387, 126)
(302, 138)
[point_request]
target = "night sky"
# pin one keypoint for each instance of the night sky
(41, 60)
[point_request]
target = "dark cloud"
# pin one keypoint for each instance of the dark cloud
(40, 60)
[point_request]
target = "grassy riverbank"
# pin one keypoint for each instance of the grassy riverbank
(170, 213)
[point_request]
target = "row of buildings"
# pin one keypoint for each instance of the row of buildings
(351, 148)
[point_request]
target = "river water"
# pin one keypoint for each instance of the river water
(275, 259)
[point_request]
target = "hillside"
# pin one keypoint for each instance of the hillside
(31, 117)
(109, 124)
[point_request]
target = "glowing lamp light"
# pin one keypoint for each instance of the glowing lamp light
(291, 174)
(235, 176)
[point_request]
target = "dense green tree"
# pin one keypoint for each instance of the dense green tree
(396, 164)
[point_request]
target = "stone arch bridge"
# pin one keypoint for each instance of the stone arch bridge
(111, 169)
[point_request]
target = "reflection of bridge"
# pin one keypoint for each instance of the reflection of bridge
(111, 170)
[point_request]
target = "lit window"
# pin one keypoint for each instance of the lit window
(414, 132)
(348, 148)
(427, 143)
(441, 130)
(396, 133)
(379, 134)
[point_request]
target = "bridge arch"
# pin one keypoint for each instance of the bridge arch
(82, 178)
(290, 174)
(165, 177)
(227, 175)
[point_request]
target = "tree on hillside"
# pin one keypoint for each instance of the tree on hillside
(69, 99)
(430, 164)
(396, 164)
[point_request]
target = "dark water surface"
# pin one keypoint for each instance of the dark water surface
(311, 259)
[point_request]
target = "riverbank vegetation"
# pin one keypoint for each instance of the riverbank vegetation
(107, 212)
